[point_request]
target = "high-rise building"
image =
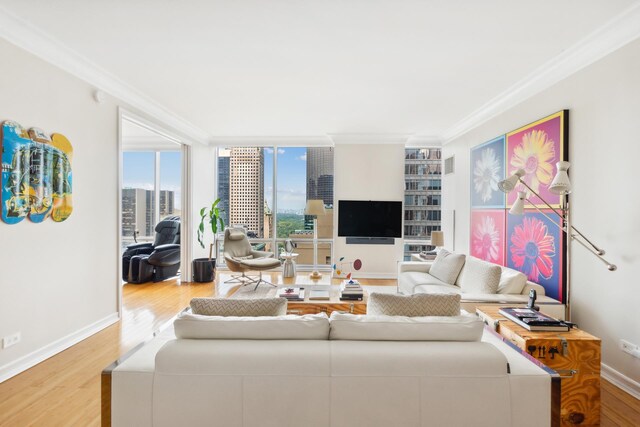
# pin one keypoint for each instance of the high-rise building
(422, 197)
(320, 174)
(138, 211)
(319, 179)
(167, 203)
(246, 185)
(224, 158)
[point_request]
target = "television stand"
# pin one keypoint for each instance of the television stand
(370, 241)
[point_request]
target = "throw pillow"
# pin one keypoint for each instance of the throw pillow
(416, 305)
(289, 327)
(511, 281)
(479, 277)
(239, 307)
(399, 328)
(447, 266)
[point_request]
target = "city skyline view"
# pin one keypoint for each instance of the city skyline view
(138, 171)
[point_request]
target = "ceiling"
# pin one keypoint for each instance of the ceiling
(305, 67)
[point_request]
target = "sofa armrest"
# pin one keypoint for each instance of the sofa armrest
(419, 266)
(530, 285)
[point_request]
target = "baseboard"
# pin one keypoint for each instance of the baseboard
(621, 381)
(25, 362)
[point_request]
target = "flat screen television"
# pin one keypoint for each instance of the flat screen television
(361, 218)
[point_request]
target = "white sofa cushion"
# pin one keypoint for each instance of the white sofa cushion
(416, 305)
(401, 328)
(511, 281)
(437, 289)
(239, 307)
(447, 266)
(289, 327)
(408, 280)
(479, 277)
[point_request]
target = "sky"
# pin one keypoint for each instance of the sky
(138, 172)
(292, 178)
(139, 169)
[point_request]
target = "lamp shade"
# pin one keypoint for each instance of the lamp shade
(314, 207)
(507, 185)
(437, 238)
(518, 205)
(561, 184)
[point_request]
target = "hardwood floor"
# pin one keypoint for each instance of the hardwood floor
(65, 389)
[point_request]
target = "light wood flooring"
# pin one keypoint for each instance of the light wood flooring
(65, 389)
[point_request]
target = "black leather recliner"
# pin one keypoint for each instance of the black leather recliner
(155, 261)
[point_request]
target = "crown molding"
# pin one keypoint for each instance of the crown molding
(270, 141)
(424, 141)
(369, 138)
(35, 41)
(614, 34)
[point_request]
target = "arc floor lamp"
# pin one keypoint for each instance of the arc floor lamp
(561, 185)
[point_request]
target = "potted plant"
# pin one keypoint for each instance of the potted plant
(204, 269)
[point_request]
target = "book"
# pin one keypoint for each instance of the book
(352, 298)
(533, 320)
(291, 293)
(295, 297)
(319, 294)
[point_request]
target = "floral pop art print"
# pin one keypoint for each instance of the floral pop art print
(536, 148)
(488, 235)
(535, 248)
(487, 169)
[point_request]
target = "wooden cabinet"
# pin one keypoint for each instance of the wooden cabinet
(574, 355)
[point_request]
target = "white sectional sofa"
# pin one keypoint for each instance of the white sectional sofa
(471, 282)
(339, 380)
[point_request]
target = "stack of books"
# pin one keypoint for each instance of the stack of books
(533, 320)
(291, 294)
(350, 290)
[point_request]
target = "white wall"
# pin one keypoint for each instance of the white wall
(58, 281)
(604, 150)
(369, 172)
(204, 177)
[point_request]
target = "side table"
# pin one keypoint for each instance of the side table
(289, 264)
(574, 355)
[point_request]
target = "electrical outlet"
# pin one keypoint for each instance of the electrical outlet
(630, 348)
(10, 340)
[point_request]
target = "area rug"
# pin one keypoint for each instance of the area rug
(267, 291)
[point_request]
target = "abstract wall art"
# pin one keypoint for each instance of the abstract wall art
(36, 175)
(537, 148)
(488, 235)
(531, 243)
(487, 169)
(535, 247)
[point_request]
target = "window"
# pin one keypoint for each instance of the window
(170, 179)
(265, 190)
(422, 200)
(145, 203)
(138, 196)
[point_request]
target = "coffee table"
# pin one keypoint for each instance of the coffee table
(327, 306)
